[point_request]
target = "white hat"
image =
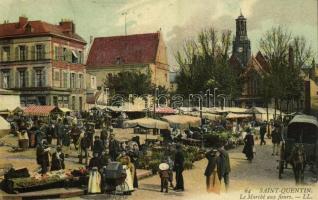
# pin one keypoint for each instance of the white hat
(163, 166)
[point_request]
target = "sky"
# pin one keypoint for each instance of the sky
(178, 20)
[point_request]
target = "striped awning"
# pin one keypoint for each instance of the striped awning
(38, 110)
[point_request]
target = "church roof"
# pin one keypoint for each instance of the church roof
(253, 65)
(262, 61)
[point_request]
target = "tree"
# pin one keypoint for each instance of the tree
(204, 64)
(286, 55)
(129, 82)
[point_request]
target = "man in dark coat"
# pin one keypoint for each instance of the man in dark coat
(249, 145)
(58, 160)
(42, 157)
(212, 163)
(98, 146)
(179, 167)
(113, 147)
(59, 131)
(262, 133)
(276, 138)
(49, 133)
(104, 135)
(84, 145)
(224, 166)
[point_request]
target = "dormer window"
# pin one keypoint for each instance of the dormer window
(28, 28)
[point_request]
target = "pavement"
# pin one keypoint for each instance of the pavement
(245, 178)
(258, 179)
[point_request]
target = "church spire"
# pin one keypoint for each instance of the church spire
(241, 44)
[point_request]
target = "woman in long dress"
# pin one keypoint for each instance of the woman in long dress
(94, 181)
(248, 149)
(129, 168)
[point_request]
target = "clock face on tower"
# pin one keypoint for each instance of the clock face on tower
(240, 49)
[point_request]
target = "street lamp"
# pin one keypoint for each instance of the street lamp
(214, 95)
(155, 102)
(190, 97)
(208, 95)
(222, 96)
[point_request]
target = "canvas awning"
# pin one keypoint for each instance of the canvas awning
(4, 127)
(205, 115)
(238, 116)
(182, 121)
(146, 122)
(65, 110)
(165, 110)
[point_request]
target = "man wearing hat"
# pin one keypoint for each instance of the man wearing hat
(58, 159)
(179, 167)
(224, 166)
(113, 147)
(212, 157)
(276, 138)
(98, 146)
(43, 156)
(262, 133)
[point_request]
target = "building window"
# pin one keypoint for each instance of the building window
(65, 80)
(40, 52)
(56, 53)
(39, 77)
(6, 79)
(22, 78)
(55, 101)
(81, 81)
(66, 101)
(41, 100)
(74, 57)
(64, 54)
(72, 81)
(80, 54)
(73, 102)
(57, 76)
(5, 54)
(80, 102)
(22, 53)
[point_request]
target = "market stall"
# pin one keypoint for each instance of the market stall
(146, 122)
(182, 121)
(261, 113)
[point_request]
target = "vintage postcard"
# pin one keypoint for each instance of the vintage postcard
(159, 99)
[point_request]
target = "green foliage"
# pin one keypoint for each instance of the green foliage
(204, 64)
(130, 82)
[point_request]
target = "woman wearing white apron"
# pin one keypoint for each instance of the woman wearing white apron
(128, 187)
(94, 181)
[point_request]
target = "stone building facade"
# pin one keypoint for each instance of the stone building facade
(44, 62)
(141, 52)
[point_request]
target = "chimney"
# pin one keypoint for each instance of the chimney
(22, 21)
(68, 26)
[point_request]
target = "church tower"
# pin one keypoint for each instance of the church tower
(241, 43)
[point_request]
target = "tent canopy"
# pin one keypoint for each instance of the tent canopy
(238, 116)
(4, 125)
(182, 121)
(146, 122)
